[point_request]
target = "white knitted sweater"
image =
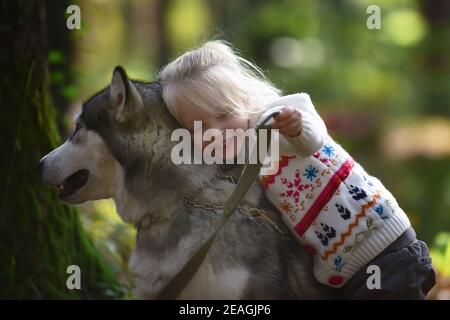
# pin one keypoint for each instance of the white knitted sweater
(342, 215)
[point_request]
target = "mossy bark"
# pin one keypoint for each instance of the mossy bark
(39, 236)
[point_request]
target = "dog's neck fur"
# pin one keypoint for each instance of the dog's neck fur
(162, 252)
(169, 185)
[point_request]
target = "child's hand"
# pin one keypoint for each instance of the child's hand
(288, 121)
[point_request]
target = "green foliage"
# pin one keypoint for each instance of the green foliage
(59, 76)
(421, 186)
(55, 57)
(440, 253)
(69, 92)
(112, 237)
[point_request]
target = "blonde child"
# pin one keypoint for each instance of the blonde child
(345, 218)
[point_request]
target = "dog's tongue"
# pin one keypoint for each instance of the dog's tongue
(73, 182)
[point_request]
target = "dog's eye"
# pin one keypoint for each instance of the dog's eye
(77, 128)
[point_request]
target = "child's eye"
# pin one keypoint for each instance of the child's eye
(223, 116)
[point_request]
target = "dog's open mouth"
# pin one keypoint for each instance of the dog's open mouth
(72, 183)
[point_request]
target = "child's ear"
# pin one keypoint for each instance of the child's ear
(125, 98)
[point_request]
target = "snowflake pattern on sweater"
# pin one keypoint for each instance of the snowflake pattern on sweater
(332, 206)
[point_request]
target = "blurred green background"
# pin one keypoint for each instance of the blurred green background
(384, 94)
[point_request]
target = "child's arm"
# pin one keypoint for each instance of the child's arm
(300, 124)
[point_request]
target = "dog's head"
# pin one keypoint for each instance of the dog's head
(116, 129)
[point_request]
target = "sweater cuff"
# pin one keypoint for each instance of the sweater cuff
(312, 136)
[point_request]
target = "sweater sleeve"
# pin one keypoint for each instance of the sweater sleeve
(314, 131)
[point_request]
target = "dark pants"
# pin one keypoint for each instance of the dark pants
(405, 272)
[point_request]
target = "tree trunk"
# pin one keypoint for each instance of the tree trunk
(61, 45)
(39, 236)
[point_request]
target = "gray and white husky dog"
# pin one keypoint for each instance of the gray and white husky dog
(121, 149)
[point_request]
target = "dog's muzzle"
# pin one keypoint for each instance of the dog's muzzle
(69, 185)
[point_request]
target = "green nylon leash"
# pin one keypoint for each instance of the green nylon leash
(176, 285)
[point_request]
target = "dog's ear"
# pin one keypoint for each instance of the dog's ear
(124, 95)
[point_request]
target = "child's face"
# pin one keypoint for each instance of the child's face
(216, 119)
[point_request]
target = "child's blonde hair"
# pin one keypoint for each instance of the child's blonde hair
(215, 76)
